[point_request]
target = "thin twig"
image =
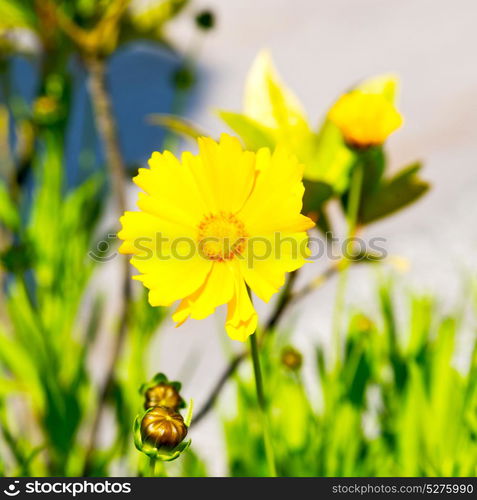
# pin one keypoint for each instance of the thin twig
(316, 283)
(107, 129)
(283, 301)
(217, 389)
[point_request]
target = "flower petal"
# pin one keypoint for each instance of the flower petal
(228, 170)
(216, 290)
(171, 279)
(269, 258)
(276, 201)
(172, 189)
(242, 318)
(143, 231)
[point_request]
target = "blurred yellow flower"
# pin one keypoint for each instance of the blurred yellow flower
(365, 119)
(212, 223)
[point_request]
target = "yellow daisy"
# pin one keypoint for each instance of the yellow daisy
(214, 223)
(365, 119)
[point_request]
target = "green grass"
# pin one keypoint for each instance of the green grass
(395, 404)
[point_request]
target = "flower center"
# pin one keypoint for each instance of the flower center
(221, 237)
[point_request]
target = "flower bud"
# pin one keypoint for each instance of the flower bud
(205, 20)
(163, 394)
(163, 427)
(363, 323)
(292, 358)
(184, 78)
(46, 110)
(364, 119)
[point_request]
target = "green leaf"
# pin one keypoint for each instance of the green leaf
(330, 160)
(18, 257)
(152, 18)
(357, 368)
(316, 193)
(9, 215)
(374, 165)
(21, 364)
(267, 100)
(253, 134)
(286, 109)
(177, 125)
(403, 189)
(272, 115)
(190, 410)
(192, 465)
(17, 14)
(8, 386)
(372, 161)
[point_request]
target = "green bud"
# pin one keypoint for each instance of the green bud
(162, 392)
(46, 110)
(160, 432)
(292, 358)
(163, 427)
(163, 395)
(184, 78)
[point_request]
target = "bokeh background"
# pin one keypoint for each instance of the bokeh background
(320, 48)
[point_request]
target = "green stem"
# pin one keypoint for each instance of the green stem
(355, 197)
(156, 468)
(152, 467)
(262, 406)
(352, 219)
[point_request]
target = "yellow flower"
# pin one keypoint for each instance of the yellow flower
(212, 224)
(365, 119)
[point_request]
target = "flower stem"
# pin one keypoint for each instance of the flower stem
(283, 301)
(236, 361)
(262, 406)
(355, 197)
(156, 468)
(152, 467)
(352, 218)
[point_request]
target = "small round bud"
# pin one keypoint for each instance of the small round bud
(363, 323)
(184, 78)
(162, 395)
(46, 110)
(205, 20)
(163, 427)
(292, 358)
